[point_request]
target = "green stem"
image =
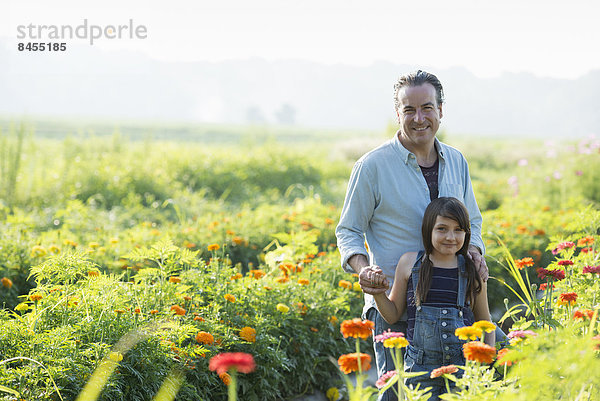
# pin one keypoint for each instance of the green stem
(232, 388)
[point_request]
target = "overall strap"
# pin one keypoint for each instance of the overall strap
(462, 282)
(415, 270)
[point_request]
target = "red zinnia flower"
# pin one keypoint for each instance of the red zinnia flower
(555, 274)
(544, 286)
(565, 262)
(567, 298)
(591, 269)
(240, 361)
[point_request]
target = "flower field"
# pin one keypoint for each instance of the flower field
(126, 266)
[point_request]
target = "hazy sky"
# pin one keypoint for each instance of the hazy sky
(548, 38)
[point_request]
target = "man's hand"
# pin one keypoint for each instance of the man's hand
(372, 280)
(479, 262)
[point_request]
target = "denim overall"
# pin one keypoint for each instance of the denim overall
(434, 343)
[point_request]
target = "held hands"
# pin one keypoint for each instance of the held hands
(372, 280)
(479, 262)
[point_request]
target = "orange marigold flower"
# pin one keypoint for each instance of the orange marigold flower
(214, 247)
(503, 359)
(583, 314)
(539, 231)
(225, 378)
(236, 276)
(333, 320)
(589, 240)
(229, 297)
(93, 273)
(522, 263)
(153, 312)
(314, 329)
(237, 240)
(328, 221)
(303, 281)
(521, 229)
(203, 337)
(443, 370)
(6, 282)
(178, 310)
(198, 318)
(119, 311)
(174, 279)
(302, 308)
(468, 333)
(282, 280)
(479, 352)
(567, 298)
(257, 273)
(345, 284)
(248, 334)
(349, 362)
(187, 298)
(137, 311)
(357, 328)
(239, 361)
(596, 340)
(36, 297)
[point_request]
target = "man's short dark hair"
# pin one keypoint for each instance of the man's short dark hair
(418, 78)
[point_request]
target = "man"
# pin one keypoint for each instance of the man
(388, 191)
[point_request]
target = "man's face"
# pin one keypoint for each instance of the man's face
(418, 113)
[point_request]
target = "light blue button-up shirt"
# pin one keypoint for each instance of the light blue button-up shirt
(386, 199)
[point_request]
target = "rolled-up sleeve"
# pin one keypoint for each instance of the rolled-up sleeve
(359, 204)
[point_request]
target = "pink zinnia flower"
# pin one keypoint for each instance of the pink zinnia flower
(388, 334)
(382, 381)
(521, 334)
(591, 269)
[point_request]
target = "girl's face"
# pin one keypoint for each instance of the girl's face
(447, 237)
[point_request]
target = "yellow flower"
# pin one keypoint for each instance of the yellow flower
(53, 249)
(22, 307)
(94, 245)
(283, 308)
(333, 320)
(174, 279)
(332, 394)
(395, 342)
(114, 240)
(356, 287)
(468, 333)
(303, 281)
(485, 325)
(38, 251)
(115, 356)
(213, 247)
(248, 334)
(229, 297)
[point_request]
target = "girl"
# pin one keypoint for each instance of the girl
(440, 290)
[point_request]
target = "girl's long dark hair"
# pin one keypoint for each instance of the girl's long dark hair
(453, 209)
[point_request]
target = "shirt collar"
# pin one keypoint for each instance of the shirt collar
(405, 154)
